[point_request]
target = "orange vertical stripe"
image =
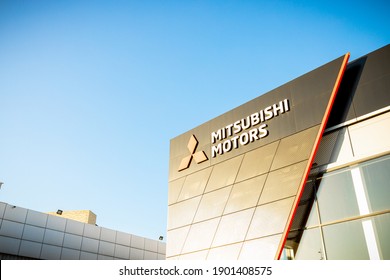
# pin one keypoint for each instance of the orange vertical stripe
(312, 156)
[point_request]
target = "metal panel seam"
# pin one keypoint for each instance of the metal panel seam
(312, 156)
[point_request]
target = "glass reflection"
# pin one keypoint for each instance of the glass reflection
(310, 247)
(382, 232)
(377, 177)
(353, 207)
(225, 252)
(336, 197)
(345, 241)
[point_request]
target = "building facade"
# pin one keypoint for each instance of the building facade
(28, 234)
(84, 216)
(301, 172)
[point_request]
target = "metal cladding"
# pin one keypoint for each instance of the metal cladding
(237, 198)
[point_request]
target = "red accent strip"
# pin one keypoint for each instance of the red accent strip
(312, 156)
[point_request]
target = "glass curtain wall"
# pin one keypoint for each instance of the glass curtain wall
(350, 215)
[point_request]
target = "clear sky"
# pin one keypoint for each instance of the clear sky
(91, 92)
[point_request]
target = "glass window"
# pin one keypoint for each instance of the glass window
(345, 241)
(377, 182)
(310, 247)
(382, 230)
(312, 220)
(336, 196)
(343, 194)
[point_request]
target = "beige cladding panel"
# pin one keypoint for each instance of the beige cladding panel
(260, 249)
(200, 236)
(237, 205)
(212, 204)
(176, 239)
(174, 189)
(308, 97)
(283, 183)
(270, 219)
(199, 255)
(224, 174)
(233, 228)
(182, 213)
(257, 162)
(195, 184)
(225, 252)
(245, 194)
(295, 148)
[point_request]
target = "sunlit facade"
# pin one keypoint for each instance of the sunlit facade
(28, 234)
(301, 172)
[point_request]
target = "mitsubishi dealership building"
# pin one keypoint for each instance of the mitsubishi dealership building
(300, 172)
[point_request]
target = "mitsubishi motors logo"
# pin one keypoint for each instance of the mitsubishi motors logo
(198, 156)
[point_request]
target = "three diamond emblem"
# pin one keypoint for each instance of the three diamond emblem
(198, 156)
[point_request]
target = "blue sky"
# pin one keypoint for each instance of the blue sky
(92, 92)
